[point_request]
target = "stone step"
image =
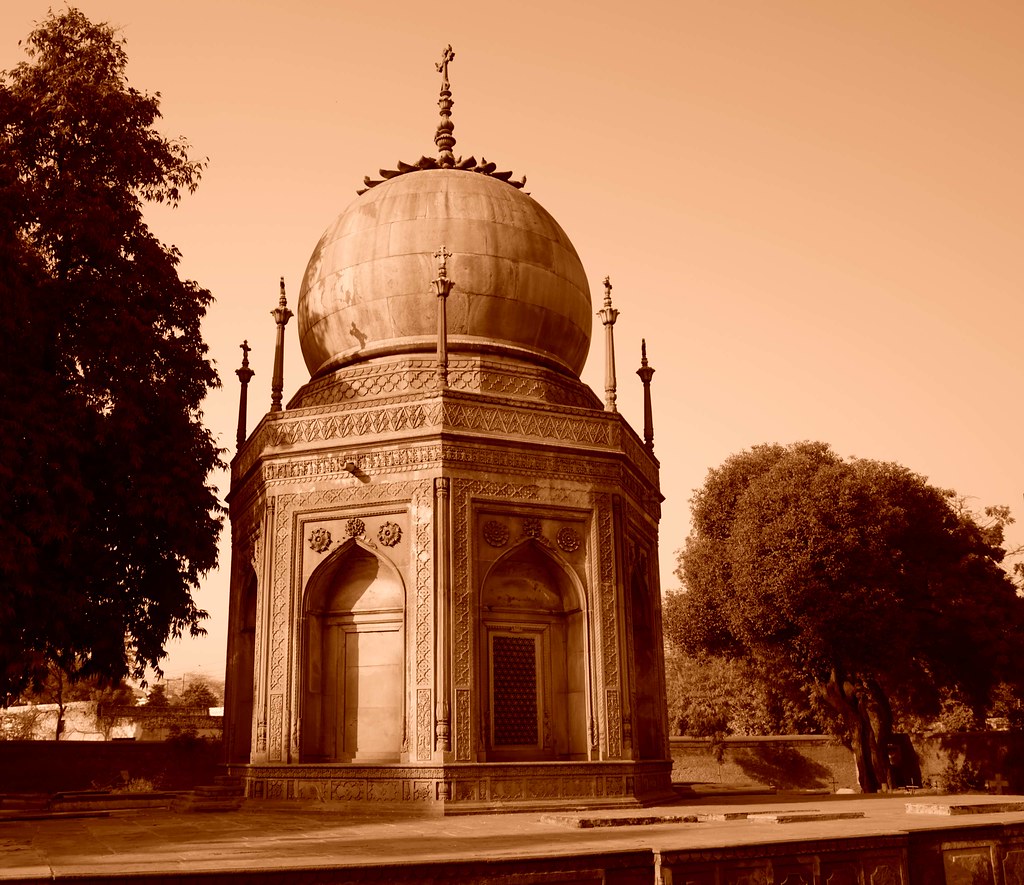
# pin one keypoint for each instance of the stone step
(588, 822)
(189, 802)
(216, 791)
(964, 807)
(110, 801)
(743, 815)
(800, 817)
(21, 801)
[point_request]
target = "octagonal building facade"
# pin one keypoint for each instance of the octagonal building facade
(444, 581)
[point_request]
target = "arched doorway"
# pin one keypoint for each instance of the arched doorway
(354, 659)
(534, 660)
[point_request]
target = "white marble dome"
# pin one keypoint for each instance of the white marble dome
(519, 287)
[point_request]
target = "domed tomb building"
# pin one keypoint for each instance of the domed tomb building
(444, 584)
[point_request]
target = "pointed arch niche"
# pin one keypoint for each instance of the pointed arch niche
(354, 661)
(534, 663)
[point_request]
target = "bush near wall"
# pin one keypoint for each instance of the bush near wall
(992, 760)
(56, 766)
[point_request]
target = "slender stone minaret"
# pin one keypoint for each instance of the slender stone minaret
(443, 287)
(245, 376)
(645, 372)
(281, 315)
(444, 139)
(608, 316)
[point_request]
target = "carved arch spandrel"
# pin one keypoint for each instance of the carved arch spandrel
(464, 492)
(532, 587)
(284, 596)
(356, 584)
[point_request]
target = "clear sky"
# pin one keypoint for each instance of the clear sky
(813, 211)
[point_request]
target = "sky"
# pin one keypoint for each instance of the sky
(812, 211)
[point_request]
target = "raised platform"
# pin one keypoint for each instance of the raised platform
(840, 841)
(461, 788)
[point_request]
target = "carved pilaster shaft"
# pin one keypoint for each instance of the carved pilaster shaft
(442, 616)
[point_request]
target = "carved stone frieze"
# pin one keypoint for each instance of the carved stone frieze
(504, 419)
(412, 376)
(513, 421)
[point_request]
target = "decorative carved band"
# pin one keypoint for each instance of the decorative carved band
(463, 730)
(424, 722)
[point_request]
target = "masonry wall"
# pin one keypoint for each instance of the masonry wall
(55, 766)
(790, 762)
(992, 760)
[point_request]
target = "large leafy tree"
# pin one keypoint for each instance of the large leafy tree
(107, 516)
(854, 577)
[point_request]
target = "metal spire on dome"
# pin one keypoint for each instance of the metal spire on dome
(646, 372)
(244, 376)
(443, 287)
(281, 315)
(444, 139)
(608, 316)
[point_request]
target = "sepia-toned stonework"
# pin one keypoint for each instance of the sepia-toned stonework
(444, 586)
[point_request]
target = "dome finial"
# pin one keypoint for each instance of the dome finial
(444, 139)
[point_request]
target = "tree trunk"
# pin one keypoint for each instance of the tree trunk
(867, 717)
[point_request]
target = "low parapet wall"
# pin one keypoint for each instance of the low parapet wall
(788, 762)
(983, 759)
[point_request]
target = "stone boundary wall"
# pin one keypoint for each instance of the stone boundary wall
(787, 762)
(993, 759)
(92, 721)
(55, 766)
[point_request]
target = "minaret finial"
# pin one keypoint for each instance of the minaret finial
(645, 372)
(245, 376)
(443, 287)
(281, 316)
(608, 316)
(444, 139)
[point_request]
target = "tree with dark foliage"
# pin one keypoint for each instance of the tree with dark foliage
(107, 516)
(854, 577)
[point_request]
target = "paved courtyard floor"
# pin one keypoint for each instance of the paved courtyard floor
(139, 843)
